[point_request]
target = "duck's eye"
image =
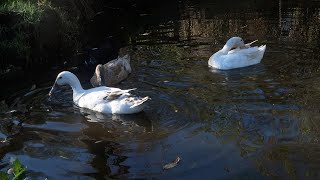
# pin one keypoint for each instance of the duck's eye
(60, 77)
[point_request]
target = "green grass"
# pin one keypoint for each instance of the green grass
(29, 10)
(15, 40)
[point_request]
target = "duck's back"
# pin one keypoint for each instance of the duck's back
(237, 58)
(96, 99)
(116, 71)
(91, 97)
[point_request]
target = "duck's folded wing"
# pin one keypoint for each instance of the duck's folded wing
(249, 53)
(137, 102)
(113, 63)
(113, 95)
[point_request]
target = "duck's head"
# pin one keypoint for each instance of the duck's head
(235, 42)
(63, 78)
(98, 78)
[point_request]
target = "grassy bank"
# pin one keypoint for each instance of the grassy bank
(34, 31)
(29, 10)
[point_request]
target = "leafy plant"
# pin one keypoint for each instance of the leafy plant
(17, 172)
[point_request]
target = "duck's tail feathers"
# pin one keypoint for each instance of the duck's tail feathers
(140, 101)
(128, 90)
(262, 48)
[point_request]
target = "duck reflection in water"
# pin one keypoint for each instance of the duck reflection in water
(102, 126)
(104, 134)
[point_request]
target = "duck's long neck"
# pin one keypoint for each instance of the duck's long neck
(76, 87)
(225, 50)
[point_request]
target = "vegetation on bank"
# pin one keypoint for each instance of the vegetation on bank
(29, 27)
(30, 11)
(14, 37)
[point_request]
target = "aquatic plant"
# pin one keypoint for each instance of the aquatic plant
(16, 172)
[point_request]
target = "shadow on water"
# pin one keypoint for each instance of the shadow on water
(259, 122)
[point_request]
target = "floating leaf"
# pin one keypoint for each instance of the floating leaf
(172, 164)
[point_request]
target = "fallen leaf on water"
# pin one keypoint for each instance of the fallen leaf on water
(98, 141)
(63, 157)
(145, 34)
(172, 164)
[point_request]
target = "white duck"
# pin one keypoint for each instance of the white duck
(101, 99)
(112, 72)
(243, 55)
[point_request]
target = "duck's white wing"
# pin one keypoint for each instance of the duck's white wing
(98, 95)
(112, 100)
(250, 53)
(116, 94)
(241, 58)
(254, 53)
(240, 51)
(135, 101)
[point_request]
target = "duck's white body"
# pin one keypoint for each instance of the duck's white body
(101, 99)
(242, 56)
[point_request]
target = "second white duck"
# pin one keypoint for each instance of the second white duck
(101, 99)
(236, 54)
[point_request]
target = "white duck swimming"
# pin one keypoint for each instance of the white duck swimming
(243, 55)
(112, 72)
(101, 99)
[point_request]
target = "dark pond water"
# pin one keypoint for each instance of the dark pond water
(260, 122)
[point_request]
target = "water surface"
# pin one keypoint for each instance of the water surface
(259, 122)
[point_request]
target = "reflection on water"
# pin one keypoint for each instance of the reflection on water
(116, 127)
(258, 122)
(207, 22)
